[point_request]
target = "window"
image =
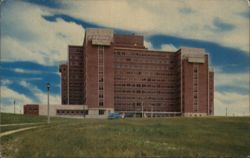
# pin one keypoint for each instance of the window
(100, 103)
(101, 112)
(101, 80)
(101, 87)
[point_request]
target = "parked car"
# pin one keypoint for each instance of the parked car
(115, 115)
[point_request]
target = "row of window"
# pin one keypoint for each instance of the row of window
(145, 60)
(143, 85)
(30, 111)
(75, 97)
(73, 77)
(76, 58)
(144, 67)
(32, 108)
(75, 93)
(162, 104)
(75, 63)
(128, 97)
(161, 73)
(142, 53)
(76, 68)
(158, 79)
(74, 49)
(74, 86)
(72, 112)
(63, 69)
(125, 78)
(120, 98)
(144, 92)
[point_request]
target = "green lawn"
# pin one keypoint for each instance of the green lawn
(7, 118)
(189, 137)
(9, 128)
(20, 120)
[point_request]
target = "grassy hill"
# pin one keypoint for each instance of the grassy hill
(172, 137)
(22, 121)
(7, 118)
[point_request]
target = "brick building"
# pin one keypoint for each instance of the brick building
(31, 109)
(113, 71)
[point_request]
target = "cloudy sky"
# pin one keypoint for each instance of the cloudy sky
(35, 35)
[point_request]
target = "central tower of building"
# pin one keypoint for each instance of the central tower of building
(99, 68)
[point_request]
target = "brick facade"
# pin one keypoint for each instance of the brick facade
(31, 109)
(117, 71)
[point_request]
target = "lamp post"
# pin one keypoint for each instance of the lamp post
(48, 86)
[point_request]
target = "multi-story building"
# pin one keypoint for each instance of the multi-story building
(114, 71)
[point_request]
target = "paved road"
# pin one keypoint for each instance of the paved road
(17, 130)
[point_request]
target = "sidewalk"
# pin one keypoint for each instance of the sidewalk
(20, 124)
(17, 130)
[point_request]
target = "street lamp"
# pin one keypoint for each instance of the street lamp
(48, 86)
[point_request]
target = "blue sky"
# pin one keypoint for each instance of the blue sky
(35, 35)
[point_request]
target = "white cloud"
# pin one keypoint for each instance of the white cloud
(237, 80)
(148, 45)
(236, 104)
(8, 96)
(36, 39)
(10, 109)
(5, 82)
(11, 95)
(25, 71)
(46, 42)
(164, 47)
(54, 99)
(164, 17)
(18, 70)
(168, 47)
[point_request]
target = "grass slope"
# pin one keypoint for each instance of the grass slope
(21, 120)
(190, 137)
(7, 118)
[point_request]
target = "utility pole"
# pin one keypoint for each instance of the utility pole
(14, 107)
(48, 87)
(142, 109)
(226, 111)
(134, 111)
(151, 111)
